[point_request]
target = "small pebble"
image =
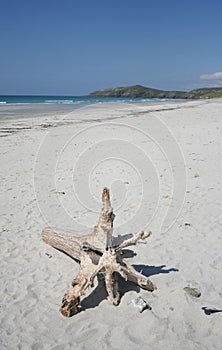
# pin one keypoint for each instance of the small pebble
(193, 291)
(141, 304)
(196, 175)
(187, 224)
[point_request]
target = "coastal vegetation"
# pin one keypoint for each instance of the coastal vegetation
(146, 92)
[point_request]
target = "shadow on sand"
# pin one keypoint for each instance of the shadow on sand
(99, 293)
(153, 270)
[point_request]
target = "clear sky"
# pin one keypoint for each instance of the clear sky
(76, 46)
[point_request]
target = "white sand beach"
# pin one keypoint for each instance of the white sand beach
(162, 163)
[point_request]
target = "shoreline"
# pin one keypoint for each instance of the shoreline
(43, 116)
(16, 111)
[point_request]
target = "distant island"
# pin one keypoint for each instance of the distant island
(146, 92)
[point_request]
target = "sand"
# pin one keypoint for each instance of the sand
(162, 162)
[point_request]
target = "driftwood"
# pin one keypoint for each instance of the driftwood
(97, 252)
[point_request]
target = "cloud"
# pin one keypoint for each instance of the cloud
(213, 76)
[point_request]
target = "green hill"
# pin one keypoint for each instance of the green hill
(215, 92)
(145, 92)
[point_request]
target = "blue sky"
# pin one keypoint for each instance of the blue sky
(76, 46)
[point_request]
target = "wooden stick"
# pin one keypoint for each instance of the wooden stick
(134, 239)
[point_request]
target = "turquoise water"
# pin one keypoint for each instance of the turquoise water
(67, 100)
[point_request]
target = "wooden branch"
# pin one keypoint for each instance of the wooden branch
(138, 278)
(112, 287)
(71, 300)
(103, 230)
(69, 243)
(134, 239)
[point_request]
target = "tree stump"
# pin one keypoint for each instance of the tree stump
(97, 252)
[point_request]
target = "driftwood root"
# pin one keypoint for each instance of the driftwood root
(97, 253)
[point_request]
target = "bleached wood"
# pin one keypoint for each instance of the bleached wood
(97, 252)
(134, 239)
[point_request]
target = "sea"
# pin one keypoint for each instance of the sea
(73, 100)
